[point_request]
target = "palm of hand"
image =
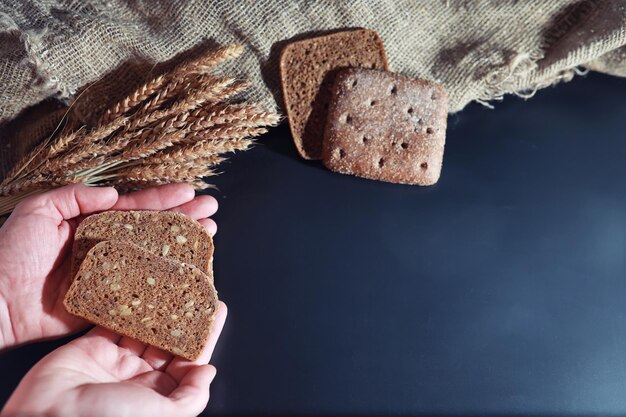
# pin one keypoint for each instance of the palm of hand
(39, 274)
(117, 376)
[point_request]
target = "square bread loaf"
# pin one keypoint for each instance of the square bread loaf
(307, 69)
(134, 292)
(386, 127)
(165, 233)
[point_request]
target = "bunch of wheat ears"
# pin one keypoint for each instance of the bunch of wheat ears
(174, 128)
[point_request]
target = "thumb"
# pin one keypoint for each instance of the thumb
(192, 394)
(70, 201)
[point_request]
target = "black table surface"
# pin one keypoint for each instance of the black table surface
(500, 290)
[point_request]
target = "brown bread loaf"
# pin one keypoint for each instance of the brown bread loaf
(386, 127)
(165, 233)
(134, 292)
(307, 69)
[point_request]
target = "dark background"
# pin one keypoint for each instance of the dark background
(500, 290)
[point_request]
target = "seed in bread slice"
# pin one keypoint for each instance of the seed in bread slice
(307, 69)
(386, 127)
(136, 293)
(165, 233)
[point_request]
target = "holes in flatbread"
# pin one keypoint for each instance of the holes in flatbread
(373, 65)
(373, 102)
(424, 165)
(404, 145)
(341, 153)
(354, 83)
(429, 130)
(410, 110)
(307, 51)
(394, 90)
(381, 162)
(365, 139)
(347, 119)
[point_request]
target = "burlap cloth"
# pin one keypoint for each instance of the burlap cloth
(479, 49)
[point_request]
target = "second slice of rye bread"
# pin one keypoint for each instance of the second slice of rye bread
(158, 301)
(165, 233)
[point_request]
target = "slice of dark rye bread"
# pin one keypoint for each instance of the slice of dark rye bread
(165, 233)
(386, 127)
(134, 292)
(307, 68)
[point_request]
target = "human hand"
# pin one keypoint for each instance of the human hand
(35, 244)
(102, 374)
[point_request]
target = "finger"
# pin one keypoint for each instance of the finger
(134, 346)
(210, 225)
(164, 197)
(158, 381)
(100, 334)
(70, 201)
(192, 394)
(100, 344)
(216, 331)
(157, 358)
(179, 367)
(200, 207)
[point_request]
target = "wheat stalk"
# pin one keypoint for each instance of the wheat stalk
(199, 150)
(205, 63)
(173, 172)
(179, 117)
(27, 184)
(173, 128)
(167, 86)
(131, 102)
